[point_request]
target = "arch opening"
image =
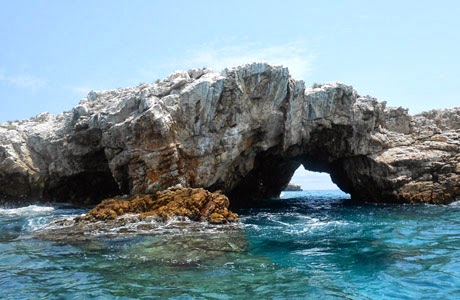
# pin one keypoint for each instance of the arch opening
(329, 150)
(273, 171)
(309, 180)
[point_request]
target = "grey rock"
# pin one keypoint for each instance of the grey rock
(243, 131)
(293, 188)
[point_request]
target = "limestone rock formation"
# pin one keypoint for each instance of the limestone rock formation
(243, 131)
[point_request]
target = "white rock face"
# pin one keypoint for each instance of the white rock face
(243, 131)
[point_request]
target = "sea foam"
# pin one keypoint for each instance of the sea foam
(25, 211)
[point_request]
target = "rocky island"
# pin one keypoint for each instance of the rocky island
(243, 131)
(293, 188)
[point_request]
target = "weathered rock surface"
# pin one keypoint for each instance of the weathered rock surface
(176, 202)
(243, 131)
(166, 212)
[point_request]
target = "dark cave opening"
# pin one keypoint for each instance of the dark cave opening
(87, 187)
(84, 188)
(268, 178)
(273, 169)
(272, 173)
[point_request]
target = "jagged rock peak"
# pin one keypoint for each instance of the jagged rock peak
(243, 131)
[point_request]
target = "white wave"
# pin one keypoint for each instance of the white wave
(131, 224)
(317, 251)
(36, 223)
(456, 203)
(315, 225)
(334, 223)
(26, 211)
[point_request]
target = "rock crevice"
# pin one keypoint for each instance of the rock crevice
(243, 131)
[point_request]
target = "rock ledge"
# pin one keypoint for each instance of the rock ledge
(173, 203)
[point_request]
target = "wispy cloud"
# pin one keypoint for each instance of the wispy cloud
(25, 81)
(296, 55)
(81, 90)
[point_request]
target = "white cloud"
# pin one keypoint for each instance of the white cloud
(25, 81)
(81, 90)
(218, 55)
(296, 56)
(231, 52)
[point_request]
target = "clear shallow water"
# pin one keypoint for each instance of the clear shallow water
(308, 245)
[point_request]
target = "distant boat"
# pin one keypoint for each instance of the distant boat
(293, 188)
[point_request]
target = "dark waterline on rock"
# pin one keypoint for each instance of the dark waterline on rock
(307, 245)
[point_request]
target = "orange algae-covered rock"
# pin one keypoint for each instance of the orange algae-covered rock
(195, 204)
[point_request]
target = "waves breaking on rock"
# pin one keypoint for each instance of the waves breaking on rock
(168, 210)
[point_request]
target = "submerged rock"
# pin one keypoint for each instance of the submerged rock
(176, 243)
(243, 131)
(192, 248)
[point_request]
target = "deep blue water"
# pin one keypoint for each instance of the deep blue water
(307, 245)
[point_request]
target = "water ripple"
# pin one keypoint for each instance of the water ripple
(306, 246)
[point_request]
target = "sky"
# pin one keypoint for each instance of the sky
(53, 53)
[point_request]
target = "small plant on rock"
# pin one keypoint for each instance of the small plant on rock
(316, 85)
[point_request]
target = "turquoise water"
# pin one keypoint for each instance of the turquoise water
(307, 245)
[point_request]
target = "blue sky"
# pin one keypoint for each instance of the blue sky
(54, 52)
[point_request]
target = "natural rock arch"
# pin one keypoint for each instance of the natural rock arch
(243, 131)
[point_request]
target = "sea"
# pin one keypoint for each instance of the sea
(304, 245)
